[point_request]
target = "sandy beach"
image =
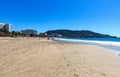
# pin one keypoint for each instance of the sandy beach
(44, 58)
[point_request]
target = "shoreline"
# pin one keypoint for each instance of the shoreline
(46, 58)
(105, 44)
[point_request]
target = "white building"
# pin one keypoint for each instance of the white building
(5, 27)
(29, 31)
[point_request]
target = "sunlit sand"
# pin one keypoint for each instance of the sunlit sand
(43, 58)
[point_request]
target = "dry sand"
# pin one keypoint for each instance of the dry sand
(42, 58)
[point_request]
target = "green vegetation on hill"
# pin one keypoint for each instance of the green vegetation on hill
(78, 34)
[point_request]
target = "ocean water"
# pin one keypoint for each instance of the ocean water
(113, 43)
(110, 43)
(101, 39)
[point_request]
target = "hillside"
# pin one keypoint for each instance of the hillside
(78, 34)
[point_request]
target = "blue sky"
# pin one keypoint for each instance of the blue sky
(101, 16)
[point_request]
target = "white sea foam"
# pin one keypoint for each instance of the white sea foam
(108, 43)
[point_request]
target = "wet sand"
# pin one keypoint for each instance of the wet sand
(42, 58)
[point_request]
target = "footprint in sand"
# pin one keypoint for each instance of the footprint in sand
(75, 75)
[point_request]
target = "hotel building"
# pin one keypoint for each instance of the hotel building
(5, 27)
(29, 31)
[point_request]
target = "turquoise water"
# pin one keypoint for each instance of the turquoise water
(109, 43)
(104, 39)
(100, 39)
